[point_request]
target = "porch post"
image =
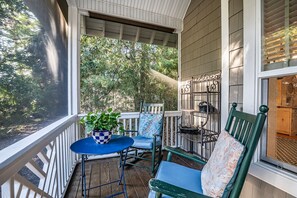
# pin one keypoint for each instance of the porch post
(250, 84)
(178, 121)
(225, 62)
(179, 70)
(74, 61)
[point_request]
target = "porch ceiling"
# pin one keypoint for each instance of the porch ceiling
(167, 13)
(103, 28)
(164, 14)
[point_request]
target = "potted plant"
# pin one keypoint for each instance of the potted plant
(102, 124)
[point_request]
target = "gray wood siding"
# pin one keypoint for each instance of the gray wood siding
(236, 52)
(201, 39)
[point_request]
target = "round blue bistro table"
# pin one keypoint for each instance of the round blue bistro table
(88, 146)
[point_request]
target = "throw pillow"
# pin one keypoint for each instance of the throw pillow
(222, 164)
(150, 124)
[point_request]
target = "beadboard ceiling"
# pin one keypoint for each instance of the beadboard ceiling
(162, 13)
(167, 13)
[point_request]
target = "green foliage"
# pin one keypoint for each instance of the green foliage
(118, 74)
(105, 120)
(166, 61)
(28, 91)
(17, 86)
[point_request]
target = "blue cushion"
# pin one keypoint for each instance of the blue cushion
(150, 124)
(180, 176)
(144, 142)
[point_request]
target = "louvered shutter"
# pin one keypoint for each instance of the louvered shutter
(280, 33)
(293, 32)
(274, 34)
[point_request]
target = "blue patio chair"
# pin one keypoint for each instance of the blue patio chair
(148, 138)
(224, 173)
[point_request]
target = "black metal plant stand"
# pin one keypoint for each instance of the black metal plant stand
(201, 107)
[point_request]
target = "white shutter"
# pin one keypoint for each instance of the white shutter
(280, 33)
(293, 31)
(274, 34)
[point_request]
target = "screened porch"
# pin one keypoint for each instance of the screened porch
(217, 36)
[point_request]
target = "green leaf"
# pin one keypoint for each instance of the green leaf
(105, 120)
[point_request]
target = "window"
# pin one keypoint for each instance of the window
(280, 34)
(279, 91)
(256, 82)
(281, 137)
(33, 68)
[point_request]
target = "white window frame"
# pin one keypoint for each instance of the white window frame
(281, 179)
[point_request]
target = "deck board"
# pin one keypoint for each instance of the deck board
(95, 180)
(104, 173)
(106, 170)
(114, 175)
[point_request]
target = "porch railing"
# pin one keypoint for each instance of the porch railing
(41, 165)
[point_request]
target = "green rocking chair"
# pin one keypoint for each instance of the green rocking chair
(148, 140)
(224, 173)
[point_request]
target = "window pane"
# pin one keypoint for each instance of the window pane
(33, 69)
(280, 33)
(281, 136)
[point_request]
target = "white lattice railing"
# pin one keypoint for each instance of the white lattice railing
(41, 164)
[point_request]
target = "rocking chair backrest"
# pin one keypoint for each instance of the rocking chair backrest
(151, 118)
(246, 128)
(155, 108)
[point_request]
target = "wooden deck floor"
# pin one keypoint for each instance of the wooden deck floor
(105, 170)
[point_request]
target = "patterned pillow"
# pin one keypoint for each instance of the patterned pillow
(222, 164)
(150, 124)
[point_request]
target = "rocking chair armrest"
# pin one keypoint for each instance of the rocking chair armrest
(180, 152)
(174, 191)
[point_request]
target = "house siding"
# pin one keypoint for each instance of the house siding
(201, 39)
(236, 52)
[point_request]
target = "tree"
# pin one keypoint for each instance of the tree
(118, 73)
(28, 91)
(16, 87)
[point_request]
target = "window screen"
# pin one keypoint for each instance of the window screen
(33, 68)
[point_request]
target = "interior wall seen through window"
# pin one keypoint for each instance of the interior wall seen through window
(281, 136)
(279, 42)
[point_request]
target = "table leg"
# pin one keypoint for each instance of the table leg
(83, 177)
(122, 177)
